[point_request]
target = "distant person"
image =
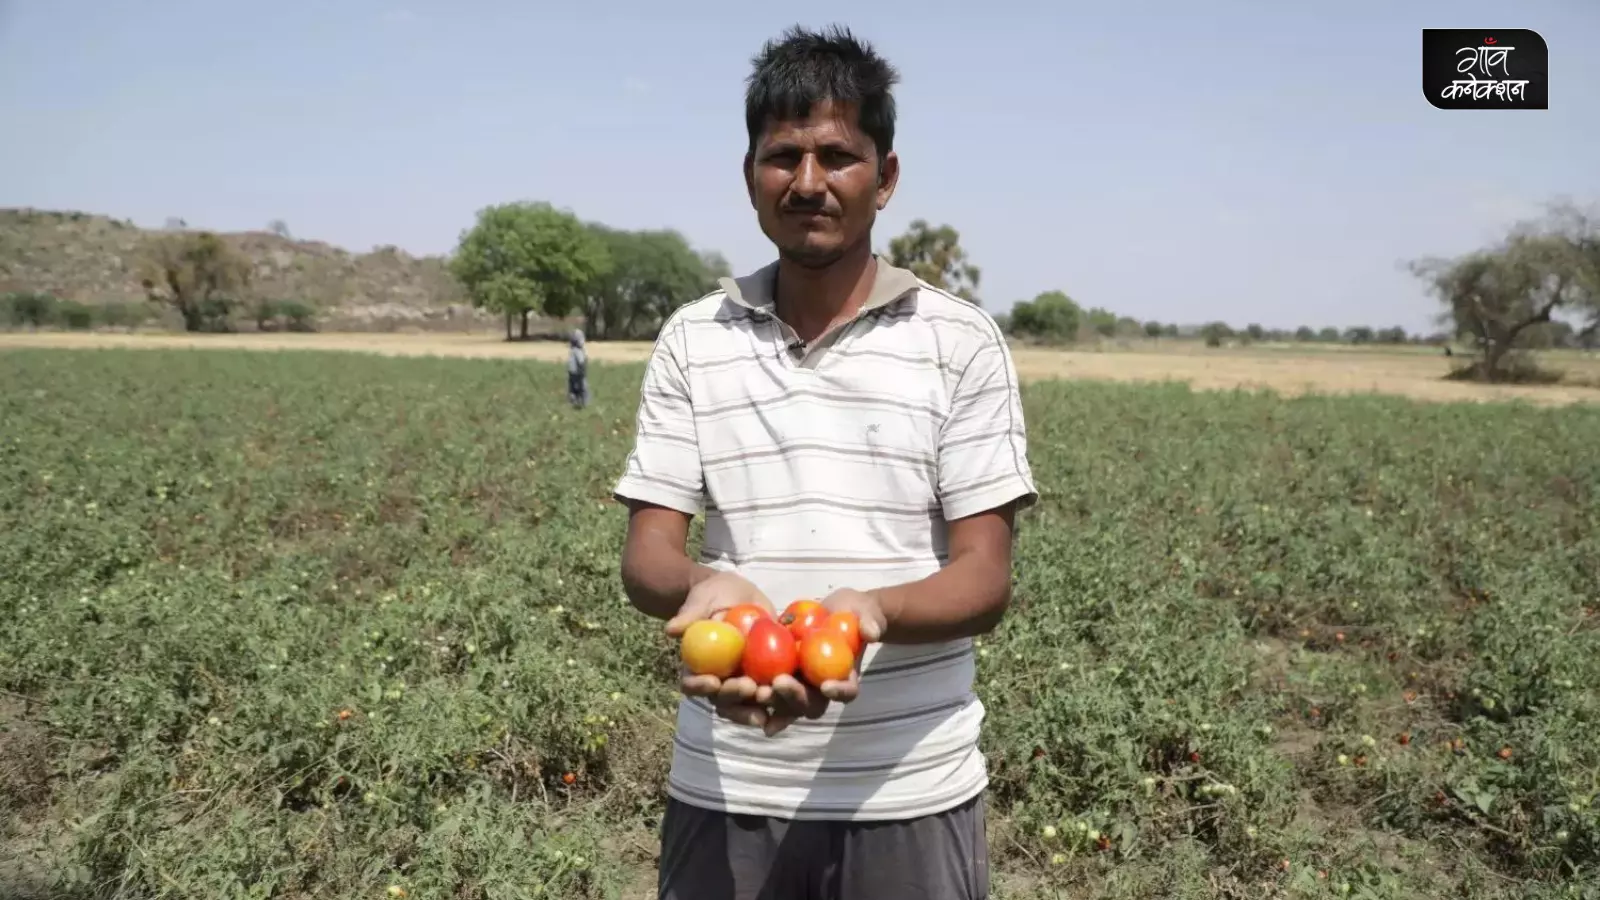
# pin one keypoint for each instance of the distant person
(854, 434)
(577, 371)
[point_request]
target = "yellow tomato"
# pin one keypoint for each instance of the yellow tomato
(711, 647)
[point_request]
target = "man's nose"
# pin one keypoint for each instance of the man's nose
(810, 179)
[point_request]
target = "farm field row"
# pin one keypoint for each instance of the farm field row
(1285, 369)
(319, 624)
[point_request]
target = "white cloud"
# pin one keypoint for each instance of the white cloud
(636, 85)
(400, 17)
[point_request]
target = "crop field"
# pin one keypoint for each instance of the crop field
(311, 624)
(1289, 369)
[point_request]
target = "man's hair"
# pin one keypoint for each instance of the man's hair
(808, 67)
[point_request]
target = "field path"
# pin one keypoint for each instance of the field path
(1289, 371)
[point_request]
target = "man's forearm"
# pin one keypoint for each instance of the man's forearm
(966, 598)
(657, 579)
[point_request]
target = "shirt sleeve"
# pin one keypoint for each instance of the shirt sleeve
(664, 466)
(983, 444)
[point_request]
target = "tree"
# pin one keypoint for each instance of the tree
(1329, 335)
(1304, 334)
(1216, 333)
(525, 258)
(280, 228)
(1255, 331)
(198, 274)
(652, 274)
(1051, 316)
(935, 256)
(1358, 334)
(1152, 329)
(1494, 296)
(1392, 335)
(1102, 321)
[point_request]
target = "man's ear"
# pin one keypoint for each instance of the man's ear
(888, 177)
(750, 176)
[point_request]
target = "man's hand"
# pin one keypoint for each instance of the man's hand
(738, 699)
(793, 698)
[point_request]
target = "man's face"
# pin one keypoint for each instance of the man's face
(815, 184)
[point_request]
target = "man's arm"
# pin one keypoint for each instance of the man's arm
(657, 574)
(967, 597)
(662, 484)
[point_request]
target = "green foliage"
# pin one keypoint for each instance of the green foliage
(935, 255)
(316, 624)
(1051, 316)
(1101, 321)
(1216, 333)
(125, 315)
(526, 258)
(652, 274)
(1494, 296)
(197, 274)
(286, 315)
(74, 315)
(34, 309)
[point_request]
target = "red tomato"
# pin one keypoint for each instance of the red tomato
(745, 615)
(825, 656)
(769, 651)
(847, 625)
(801, 616)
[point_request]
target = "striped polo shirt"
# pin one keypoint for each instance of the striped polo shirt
(830, 466)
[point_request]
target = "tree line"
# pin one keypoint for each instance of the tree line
(1538, 287)
(530, 259)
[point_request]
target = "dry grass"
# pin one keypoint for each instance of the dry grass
(1287, 370)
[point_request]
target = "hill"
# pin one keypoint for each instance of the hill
(95, 259)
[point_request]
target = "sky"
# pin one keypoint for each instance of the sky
(1261, 162)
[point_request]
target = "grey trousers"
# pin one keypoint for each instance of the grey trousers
(708, 855)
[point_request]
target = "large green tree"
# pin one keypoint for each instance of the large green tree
(1051, 316)
(935, 255)
(1498, 297)
(653, 273)
(529, 257)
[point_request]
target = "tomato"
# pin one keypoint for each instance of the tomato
(801, 616)
(825, 656)
(846, 624)
(744, 615)
(710, 647)
(769, 651)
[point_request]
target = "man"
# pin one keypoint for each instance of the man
(577, 370)
(852, 434)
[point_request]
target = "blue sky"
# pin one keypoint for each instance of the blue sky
(1183, 162)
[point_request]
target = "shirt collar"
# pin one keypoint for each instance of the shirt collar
(755, 290)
